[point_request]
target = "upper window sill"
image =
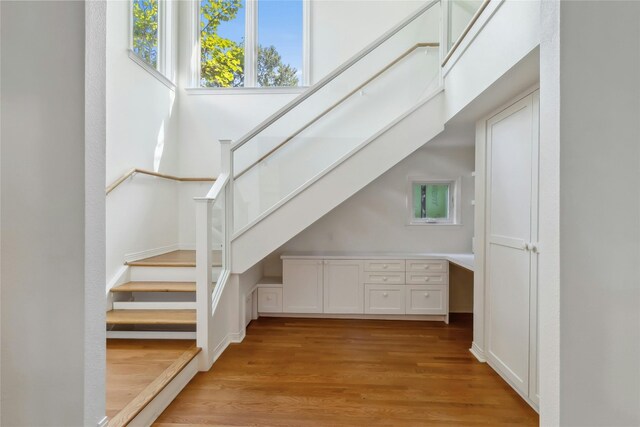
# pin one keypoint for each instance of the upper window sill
(149, 69)
(245, 90)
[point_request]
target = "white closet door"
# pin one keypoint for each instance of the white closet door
(510, 161)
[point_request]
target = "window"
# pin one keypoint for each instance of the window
(433, 202)
(145, 31)
(251, 43)
(151, 37)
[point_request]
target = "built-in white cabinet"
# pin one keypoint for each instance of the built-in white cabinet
(384, 299)
(270, 300)
(362, 287)
(511, 246)
(302, 286)
(425, 299)
(343, 286)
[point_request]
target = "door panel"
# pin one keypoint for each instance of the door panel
(343, 287)
(302, 286)
(511, 160)
(508, 304)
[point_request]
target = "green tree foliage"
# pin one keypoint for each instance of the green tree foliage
(145, 30)
(222, 60)
(271, 70)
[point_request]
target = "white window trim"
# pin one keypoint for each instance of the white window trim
(165, 73)
(455, 197)
(251, 39)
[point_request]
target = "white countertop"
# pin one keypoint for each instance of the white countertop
(463, 260)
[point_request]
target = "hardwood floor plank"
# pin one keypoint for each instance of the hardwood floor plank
(334, 372)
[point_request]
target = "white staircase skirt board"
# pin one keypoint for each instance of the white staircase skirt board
(151, 335)
(159, 403)
(167, 274)
(333, 188)
(154, 305)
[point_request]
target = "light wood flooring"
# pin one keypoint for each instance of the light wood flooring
(132, 365)
(322, 372)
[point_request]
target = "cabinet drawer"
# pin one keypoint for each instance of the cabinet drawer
(418, 278)
(384, 277)
(426, 299)
(431, 266)
(269, 300)
(384, 299)
(384, 265)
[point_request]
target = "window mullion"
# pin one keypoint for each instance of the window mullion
(251, 44)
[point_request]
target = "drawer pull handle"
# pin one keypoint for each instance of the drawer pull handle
(268, 298)
(426, 279)
(384, 279)
(426, 294)
(385, 266)
(385, 294)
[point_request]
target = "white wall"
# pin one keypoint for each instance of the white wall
(49, 241)
(598, 93)
(142, 214)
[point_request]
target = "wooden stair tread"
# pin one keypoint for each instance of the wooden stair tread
(133, 408)
(155, 287)
(181, 258)
(151, 317)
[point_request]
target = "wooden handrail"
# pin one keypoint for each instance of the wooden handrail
(341, 100)
(474, 18)
(134, 171)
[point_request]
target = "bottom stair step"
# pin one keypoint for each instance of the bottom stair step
(153, 390)
(151, 317)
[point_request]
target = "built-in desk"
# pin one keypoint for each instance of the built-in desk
(363, 285)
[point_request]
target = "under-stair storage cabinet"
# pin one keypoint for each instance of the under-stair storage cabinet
(378, 287)
(510, 244)
(302, 286)
(343, 286)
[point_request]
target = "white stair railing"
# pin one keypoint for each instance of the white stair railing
(209, 288)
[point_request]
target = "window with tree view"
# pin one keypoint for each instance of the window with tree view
(145, 30)
(267, 54)
(431, 202)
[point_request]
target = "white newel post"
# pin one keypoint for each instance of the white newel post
(203, 279)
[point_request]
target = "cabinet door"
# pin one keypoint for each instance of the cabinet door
(511, 194)
(384, 299)
(269, 300)
(426, 299)
(343, 286)
(302, 286)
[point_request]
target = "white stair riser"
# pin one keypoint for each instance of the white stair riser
(151, 335)
(152, 305)
(167, 274)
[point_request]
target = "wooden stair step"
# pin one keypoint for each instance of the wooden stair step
(181, 258)
(155, 287)
(133, 408)
(151, 317)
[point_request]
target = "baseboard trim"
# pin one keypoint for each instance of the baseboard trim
(423, 317)
(136, 256)
(478, 353)
(508, 381)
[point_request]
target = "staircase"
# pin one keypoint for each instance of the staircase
(159, 300)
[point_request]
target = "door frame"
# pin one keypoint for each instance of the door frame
(478, 345)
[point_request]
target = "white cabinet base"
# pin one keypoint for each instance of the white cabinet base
(413, 317)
